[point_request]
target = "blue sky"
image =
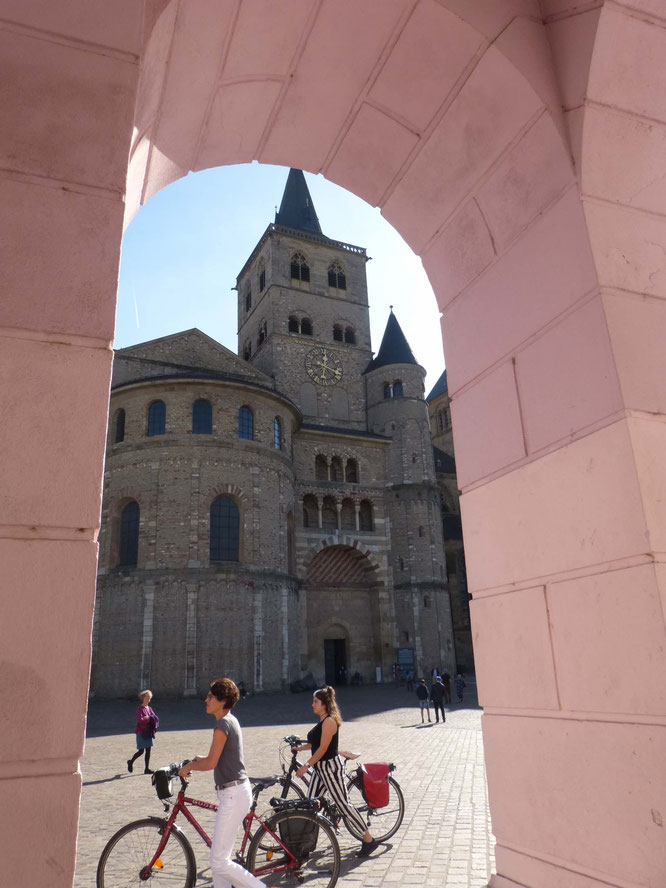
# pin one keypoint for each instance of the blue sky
(183, 249)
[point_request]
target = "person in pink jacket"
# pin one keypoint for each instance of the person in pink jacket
(147, 724)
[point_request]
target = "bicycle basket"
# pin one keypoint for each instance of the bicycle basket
(163, 783)
(300, 835)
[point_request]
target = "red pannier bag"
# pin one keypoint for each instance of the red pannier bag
(374, 783)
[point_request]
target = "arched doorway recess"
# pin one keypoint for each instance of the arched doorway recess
(347, 622)
(448, 115)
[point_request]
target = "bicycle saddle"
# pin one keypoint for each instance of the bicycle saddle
(263, 782)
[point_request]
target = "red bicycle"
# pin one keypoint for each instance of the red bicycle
(296, 844)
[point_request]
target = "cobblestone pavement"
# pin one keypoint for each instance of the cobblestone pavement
(445, 839)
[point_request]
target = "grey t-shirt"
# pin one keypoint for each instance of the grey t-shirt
(230, 765)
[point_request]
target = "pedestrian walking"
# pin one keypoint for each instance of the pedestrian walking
(410, 680)
(460, 687)
(328, 770)
(234, 797)
(437, 698)
(423, 696)
(147, 724)
(446, 681)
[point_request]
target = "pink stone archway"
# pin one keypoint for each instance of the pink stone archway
(461, 121)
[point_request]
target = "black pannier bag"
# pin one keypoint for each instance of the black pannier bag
(163, 783)
(300, 835)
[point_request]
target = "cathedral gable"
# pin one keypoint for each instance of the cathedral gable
(181, 354)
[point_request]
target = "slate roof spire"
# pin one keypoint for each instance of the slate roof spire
(297, 210)
(394, 348)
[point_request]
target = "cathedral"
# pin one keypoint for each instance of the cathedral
(276, 512)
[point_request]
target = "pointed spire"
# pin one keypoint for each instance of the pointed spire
(439, 388)
(394, 348)
(297, 210)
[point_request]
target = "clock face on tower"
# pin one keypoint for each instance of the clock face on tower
(323, 366)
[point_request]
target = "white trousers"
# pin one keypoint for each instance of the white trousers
(232, 806)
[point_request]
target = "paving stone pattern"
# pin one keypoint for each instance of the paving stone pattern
(445, 840)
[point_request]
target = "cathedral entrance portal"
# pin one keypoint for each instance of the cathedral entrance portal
(346, 627)
(335, 661)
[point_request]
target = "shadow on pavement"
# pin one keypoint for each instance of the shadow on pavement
(109, 717)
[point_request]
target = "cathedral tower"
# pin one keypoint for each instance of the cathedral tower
(303, 313)
(397, 409)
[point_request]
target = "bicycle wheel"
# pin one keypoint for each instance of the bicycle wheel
(319, 868)
(264, 809)
(132, 848)
(381, 822)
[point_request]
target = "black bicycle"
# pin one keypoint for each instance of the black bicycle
(382, 823)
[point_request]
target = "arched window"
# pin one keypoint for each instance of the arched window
(321, 468)
(300, 270)
(119, 434)
(338, 333)
(248, 298)
(336, 276)
(348, 515)
(306, 327)
(365, 519)
(329, 514)
(128, 550)
(426, 601)
(245, 423)
(351, 472)
(262, 333)
(397, 389)
(157, 418)
(224, 529)
(388, 390)
(262, 276)
(202, 417)
(350, 336)
(277, 433)
(336, 469)
(310, 511)
(421, 530)
(247, 350)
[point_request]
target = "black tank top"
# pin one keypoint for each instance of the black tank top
(314, 739)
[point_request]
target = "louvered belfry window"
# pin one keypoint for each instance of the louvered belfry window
(300, 270)
(336, 276)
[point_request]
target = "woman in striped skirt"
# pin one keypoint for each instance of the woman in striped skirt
(327, 766)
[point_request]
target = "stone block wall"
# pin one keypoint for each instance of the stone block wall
(243, 624)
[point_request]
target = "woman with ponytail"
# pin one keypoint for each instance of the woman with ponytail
(328, 770)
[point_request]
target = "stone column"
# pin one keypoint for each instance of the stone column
(68, 100)
(147, 634)
(191, 640)
(258, 636)
(357, 512)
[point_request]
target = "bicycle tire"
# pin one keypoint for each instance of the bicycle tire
(321, 867)
(133, 846)
(265, 810)
(382, 823)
